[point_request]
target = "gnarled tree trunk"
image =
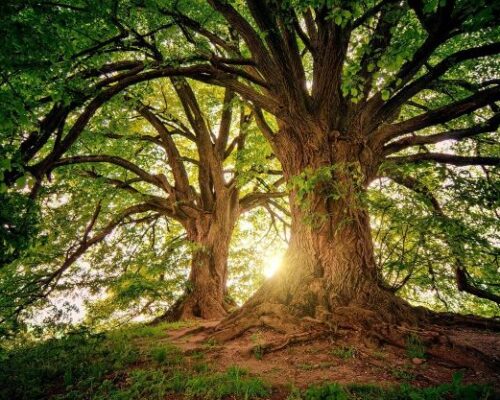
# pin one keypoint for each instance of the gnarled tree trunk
(329, 272)
(210, 235)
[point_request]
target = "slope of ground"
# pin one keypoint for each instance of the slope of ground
(181, 361)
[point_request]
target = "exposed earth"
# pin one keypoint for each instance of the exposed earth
(348, 360)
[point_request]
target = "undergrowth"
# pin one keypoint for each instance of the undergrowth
(139, 363)
(136, 363)
(455, 390)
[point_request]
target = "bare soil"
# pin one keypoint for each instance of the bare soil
(348, 359)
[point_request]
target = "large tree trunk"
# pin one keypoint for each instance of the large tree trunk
(329, 272)
(210, 236)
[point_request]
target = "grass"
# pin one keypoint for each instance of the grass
(166, 355)
(455, 390)
(234, 382)
(403, 373)
(135, 363)
(414, 347)
(139, 363)
(344, 352)
(258, 348)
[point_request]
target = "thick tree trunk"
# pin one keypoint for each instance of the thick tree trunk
(330, 266)
(205, 297)
(329, 272)
(210, 235)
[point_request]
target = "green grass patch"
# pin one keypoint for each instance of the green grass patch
(414, 347)
(234, 382)
(135, 363)
(344, 352)
(455, 390)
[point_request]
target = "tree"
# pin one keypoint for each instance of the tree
(347, 93)
(344, 92)
(194, 183)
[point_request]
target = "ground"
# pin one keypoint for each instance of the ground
(347, 361)
(182, 361)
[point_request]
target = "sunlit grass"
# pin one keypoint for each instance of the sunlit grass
(140, 362)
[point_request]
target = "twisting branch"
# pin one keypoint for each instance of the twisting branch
(264, 61)
(174, 157)
(121, 162)
(435, 72)
(253, 200)
(370, 13)
(119, 184)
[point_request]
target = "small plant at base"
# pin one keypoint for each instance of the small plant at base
(166, 355)
(258, 348)
(403, 373)
(332, 391)
(159, 354)
(201, 368)
(211, 343)
(414, 347)
(294, 394)
(234, 382)
(344, 352)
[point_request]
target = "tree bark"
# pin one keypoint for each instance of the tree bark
(210, 235)
(329, 272)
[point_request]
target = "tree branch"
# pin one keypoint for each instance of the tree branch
(435, 72)
(440, 115)
(445, 159)
(174, 158)
(461, 274)
(253, 200)
(121, 162)
(490, 125)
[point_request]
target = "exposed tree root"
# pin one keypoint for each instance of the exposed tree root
(293, 339)
(190, 306)
(465, 321)
(358, 325)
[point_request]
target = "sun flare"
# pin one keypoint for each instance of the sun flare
(272, 265)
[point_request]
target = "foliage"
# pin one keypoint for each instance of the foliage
(419, 250)
(111, 366)
(235, 381)
(257, 349)
(414, 347)
(19, 219)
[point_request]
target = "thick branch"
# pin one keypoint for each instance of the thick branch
(446, 159)
(435, 72)
(440, 115)
(457, 134)
(250, 36)
(174, 158)
(145, 176)
(253, 200)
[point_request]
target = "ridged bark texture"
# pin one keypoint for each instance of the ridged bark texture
(329, 272)
(210, 235)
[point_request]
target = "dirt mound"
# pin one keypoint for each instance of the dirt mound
(349, 359)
